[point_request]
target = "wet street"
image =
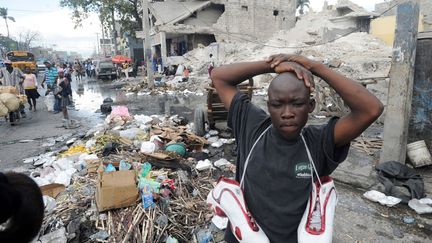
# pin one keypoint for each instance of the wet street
(26, 139)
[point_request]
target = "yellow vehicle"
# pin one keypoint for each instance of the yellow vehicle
(22, 59)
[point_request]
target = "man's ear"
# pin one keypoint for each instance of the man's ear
(312, 104)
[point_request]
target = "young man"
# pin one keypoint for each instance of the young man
(63, 94)
(277, 181)
(50, 79)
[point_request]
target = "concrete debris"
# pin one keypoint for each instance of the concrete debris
(421, 206)
(221, 163)
(58, 236)
(49, 203)
(376, 196)
(204, 165)
(101, 235)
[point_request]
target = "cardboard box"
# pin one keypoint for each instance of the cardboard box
(52, 190)
(116, 189)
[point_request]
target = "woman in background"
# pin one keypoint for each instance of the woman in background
(30, 88)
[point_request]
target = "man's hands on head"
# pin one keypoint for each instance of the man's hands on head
(290, 63)
(307, 63)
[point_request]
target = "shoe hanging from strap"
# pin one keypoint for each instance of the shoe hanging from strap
(316, 224)
(227, 200)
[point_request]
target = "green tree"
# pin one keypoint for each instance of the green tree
(126, 11)
(302, 4)
(5, 16)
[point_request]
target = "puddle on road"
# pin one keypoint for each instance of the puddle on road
(89, 95)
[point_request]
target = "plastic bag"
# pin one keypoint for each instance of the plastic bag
(124, 165)
(3, 110)
(148, 147)
(121, 111)
(49, 102)
(11, 101)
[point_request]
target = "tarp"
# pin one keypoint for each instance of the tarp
(121, 59)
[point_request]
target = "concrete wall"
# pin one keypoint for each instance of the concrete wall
(256, 19)
(206, 17)
(425, 10)
(384, 28)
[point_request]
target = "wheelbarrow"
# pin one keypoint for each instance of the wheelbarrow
(216, 111)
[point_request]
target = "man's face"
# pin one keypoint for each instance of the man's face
(48, 65)
(61, 74)
(289, 104)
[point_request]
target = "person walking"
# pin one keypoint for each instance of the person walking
(30, 88)
(62, 94)
(77, 71)
(50, 78)
(13, 77)
(126, 69)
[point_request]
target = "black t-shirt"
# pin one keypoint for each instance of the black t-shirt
(277, 181)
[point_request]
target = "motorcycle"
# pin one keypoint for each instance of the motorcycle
(14, 117)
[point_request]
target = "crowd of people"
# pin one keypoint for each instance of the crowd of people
(56, 79)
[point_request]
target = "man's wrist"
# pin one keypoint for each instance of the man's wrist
(316, 68)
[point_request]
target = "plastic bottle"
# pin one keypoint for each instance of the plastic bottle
(124, 165)
(145, 169)
(147, 197)
(110, 168)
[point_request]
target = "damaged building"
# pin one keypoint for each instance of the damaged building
(255, 19)
(179, 26)
(345, 17)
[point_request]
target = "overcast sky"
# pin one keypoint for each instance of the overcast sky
(56, 28)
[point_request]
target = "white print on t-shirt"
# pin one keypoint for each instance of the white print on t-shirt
(302, 170)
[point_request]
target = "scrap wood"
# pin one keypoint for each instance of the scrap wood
(368, 145)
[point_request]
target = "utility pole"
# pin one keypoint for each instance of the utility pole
(401, 83)
(103, 44)
(114, 32)
(147, 46)
(97, 44)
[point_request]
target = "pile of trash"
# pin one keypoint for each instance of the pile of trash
(133, 178)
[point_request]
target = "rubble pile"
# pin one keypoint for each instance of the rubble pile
(133, 178)
(169, 85)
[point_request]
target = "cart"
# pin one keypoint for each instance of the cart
(216, 111)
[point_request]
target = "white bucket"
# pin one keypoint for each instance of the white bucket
(419, 154)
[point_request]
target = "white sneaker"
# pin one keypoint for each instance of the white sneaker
(227, 200)
(317, 221)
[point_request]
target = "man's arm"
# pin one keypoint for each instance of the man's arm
(44, 79)
(365, 107)
(226, 78)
